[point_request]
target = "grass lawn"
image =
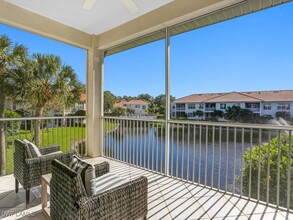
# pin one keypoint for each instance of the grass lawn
(63, 136)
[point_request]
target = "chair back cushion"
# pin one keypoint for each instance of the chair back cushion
(106, 182)
(33, 149)
(86, 171)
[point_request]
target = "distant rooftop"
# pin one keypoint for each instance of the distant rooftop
(255, 96)
(135, 101)
(83, 97)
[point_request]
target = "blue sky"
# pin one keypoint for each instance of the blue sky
(250, 53)
(72, 56)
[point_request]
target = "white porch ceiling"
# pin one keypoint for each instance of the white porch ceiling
(105, 14)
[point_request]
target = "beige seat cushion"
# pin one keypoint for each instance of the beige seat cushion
(106, 182)
(56, 152)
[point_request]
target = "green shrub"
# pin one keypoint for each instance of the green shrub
(118, 111)
(261, 153)
(80, 113)
(12, 126)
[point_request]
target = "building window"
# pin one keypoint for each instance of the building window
(191, 106)
(200, 106)
(267, 106)
(180, 114)
(136, 106)
(252, 105)
(283, 106)
(180, 106)
(190, 115)
(144, 107)
(222, 106)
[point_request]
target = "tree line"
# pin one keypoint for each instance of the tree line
(237, 114)
(41, 81)
(156, 105)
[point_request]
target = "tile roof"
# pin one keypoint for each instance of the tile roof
(120, 104)
(257, 96)
(83, 97)
(137, 101)
(123, 103)
(233, 97)
(276, 95)
(197, 97)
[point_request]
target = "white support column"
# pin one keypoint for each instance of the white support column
(167, 93)
(94, 102)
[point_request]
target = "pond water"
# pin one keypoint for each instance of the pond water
(201, 158)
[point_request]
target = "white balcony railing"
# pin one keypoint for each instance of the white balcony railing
(255, 110)
(68, 132)
(247, 160)
(210, 109)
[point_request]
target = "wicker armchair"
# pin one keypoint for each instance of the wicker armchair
(28, 171)
(69, 200)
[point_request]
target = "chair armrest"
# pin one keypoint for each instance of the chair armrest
(44, 162)
(128, 200)
(50, 149)
(33, 172)
(101, 168)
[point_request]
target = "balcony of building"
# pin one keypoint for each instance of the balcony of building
(168, 198)
(254, 107)
(201, 172)
(210, 107)
(195, 169)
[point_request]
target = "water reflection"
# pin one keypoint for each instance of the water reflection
(206, 155)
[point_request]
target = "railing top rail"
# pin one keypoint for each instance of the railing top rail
(134, 119)
(236, 125)
(41, 118)
(208, 123)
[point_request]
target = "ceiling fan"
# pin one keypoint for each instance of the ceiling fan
(129, 4)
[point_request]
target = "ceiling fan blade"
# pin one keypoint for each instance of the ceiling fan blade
(131, 6)
(88, 4)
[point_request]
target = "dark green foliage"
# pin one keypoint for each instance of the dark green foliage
(129, 111)
(218, 113)
(155, 105)
(237, 114)
(109, 100)
(259, 156)
(12, 59)
(79, 121)
(245, 115)
(11, 126)
(118, 111)
(264, 119)
(48, 84)
(232, 113)
(52, 84)
(284, 115)
(199, 113)
(80, 113)
(152, 109)
(160, 100)
(146, 97)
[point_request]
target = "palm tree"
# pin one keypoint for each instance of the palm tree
(52, 85)
(11, 57)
